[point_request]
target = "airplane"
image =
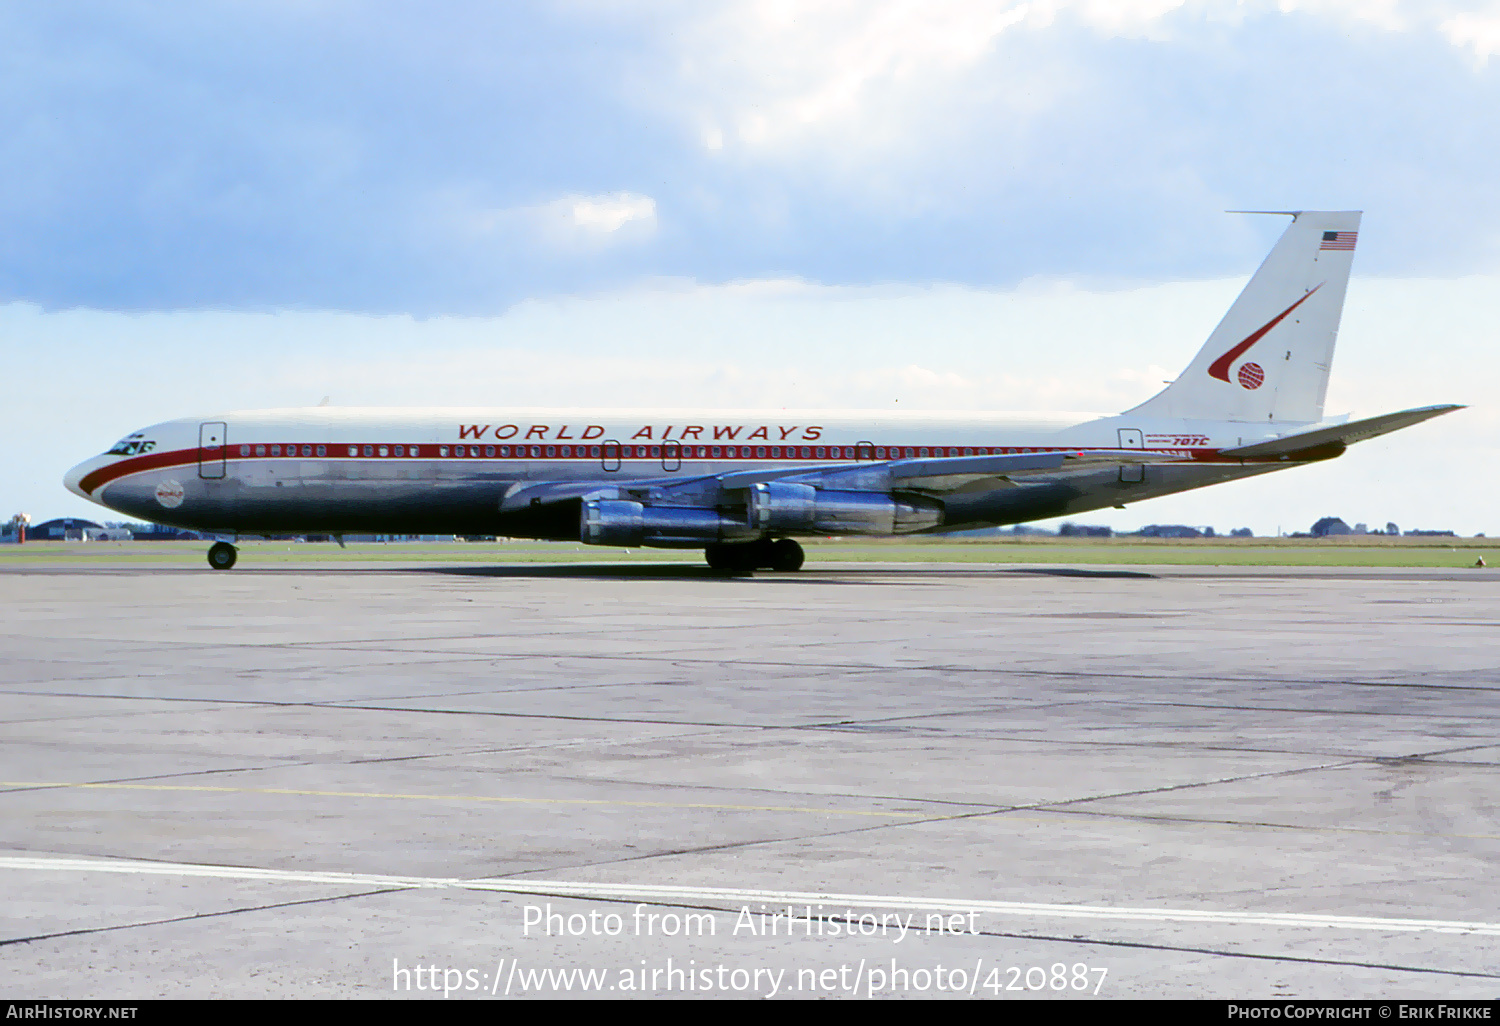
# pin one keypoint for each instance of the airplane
(743, 485)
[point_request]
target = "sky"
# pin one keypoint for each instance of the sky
(939, 204)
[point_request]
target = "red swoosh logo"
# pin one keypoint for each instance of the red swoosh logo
(1220, 367)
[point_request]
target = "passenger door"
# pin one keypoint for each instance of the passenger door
(211, 449)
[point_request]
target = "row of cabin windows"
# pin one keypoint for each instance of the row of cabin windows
(776, 452)
(613, 451)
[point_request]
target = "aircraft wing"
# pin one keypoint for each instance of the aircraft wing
(935, 475)
(1331, 441)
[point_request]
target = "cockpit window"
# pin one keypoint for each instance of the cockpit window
(131, 446)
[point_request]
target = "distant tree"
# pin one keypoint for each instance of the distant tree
(1391, 528)
(1169, 531)
(1242, 532)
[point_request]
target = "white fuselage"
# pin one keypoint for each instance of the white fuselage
(450, 470)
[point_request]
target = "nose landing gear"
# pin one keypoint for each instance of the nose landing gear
(221, 555)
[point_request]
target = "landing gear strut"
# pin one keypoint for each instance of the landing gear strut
(781, 554)
(221, 555)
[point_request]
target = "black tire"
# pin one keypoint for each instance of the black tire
(720, 557)
(222, 555)
(786, 555)
(738, 558)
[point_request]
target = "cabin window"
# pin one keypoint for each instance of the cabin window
(384, 451)
(322, 450)
(413, 450)
(567, 452)
(399, 450)
(275, 450)
(489, 451)
(369, 450)
(551, 451)
(732, 452)
(820, 452)
(260, 450)
(244, 450)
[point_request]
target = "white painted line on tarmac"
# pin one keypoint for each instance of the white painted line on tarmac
(654, 894)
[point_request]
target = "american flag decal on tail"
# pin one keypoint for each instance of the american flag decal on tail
(1338, 240)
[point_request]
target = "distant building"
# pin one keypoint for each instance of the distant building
(158, 532)
(1083, 531)
(63, 529)
(1330, 527)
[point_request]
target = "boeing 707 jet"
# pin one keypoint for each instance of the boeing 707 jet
(744, 484)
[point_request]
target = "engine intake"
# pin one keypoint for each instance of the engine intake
(782, 506)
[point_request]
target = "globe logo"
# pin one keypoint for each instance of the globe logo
(1251, 375)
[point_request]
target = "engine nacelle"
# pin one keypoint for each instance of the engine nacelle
(621, 522)
(783, 506)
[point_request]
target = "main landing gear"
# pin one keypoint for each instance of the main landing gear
(221, 555)
(781, 554)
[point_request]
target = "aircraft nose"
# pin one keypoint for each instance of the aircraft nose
(73, 479)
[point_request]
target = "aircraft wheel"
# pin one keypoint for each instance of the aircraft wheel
(733, 558)
(786, 555)
(221, 555)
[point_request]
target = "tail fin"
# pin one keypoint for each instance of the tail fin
(1268, 359)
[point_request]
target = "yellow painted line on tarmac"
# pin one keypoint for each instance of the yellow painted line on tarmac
(916, 816)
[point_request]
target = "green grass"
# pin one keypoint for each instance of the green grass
(1350, 551)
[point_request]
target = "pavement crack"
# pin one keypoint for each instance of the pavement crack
(198, 915)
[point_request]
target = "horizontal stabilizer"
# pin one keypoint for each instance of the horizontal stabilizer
(1339, 435)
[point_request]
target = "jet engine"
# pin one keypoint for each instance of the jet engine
(783, 506)
(621, 522)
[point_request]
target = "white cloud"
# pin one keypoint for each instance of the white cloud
(770, 76)
(606, 213)
(1477, 30)
(571, 222)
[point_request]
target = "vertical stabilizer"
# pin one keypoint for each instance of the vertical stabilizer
(1268, 359)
